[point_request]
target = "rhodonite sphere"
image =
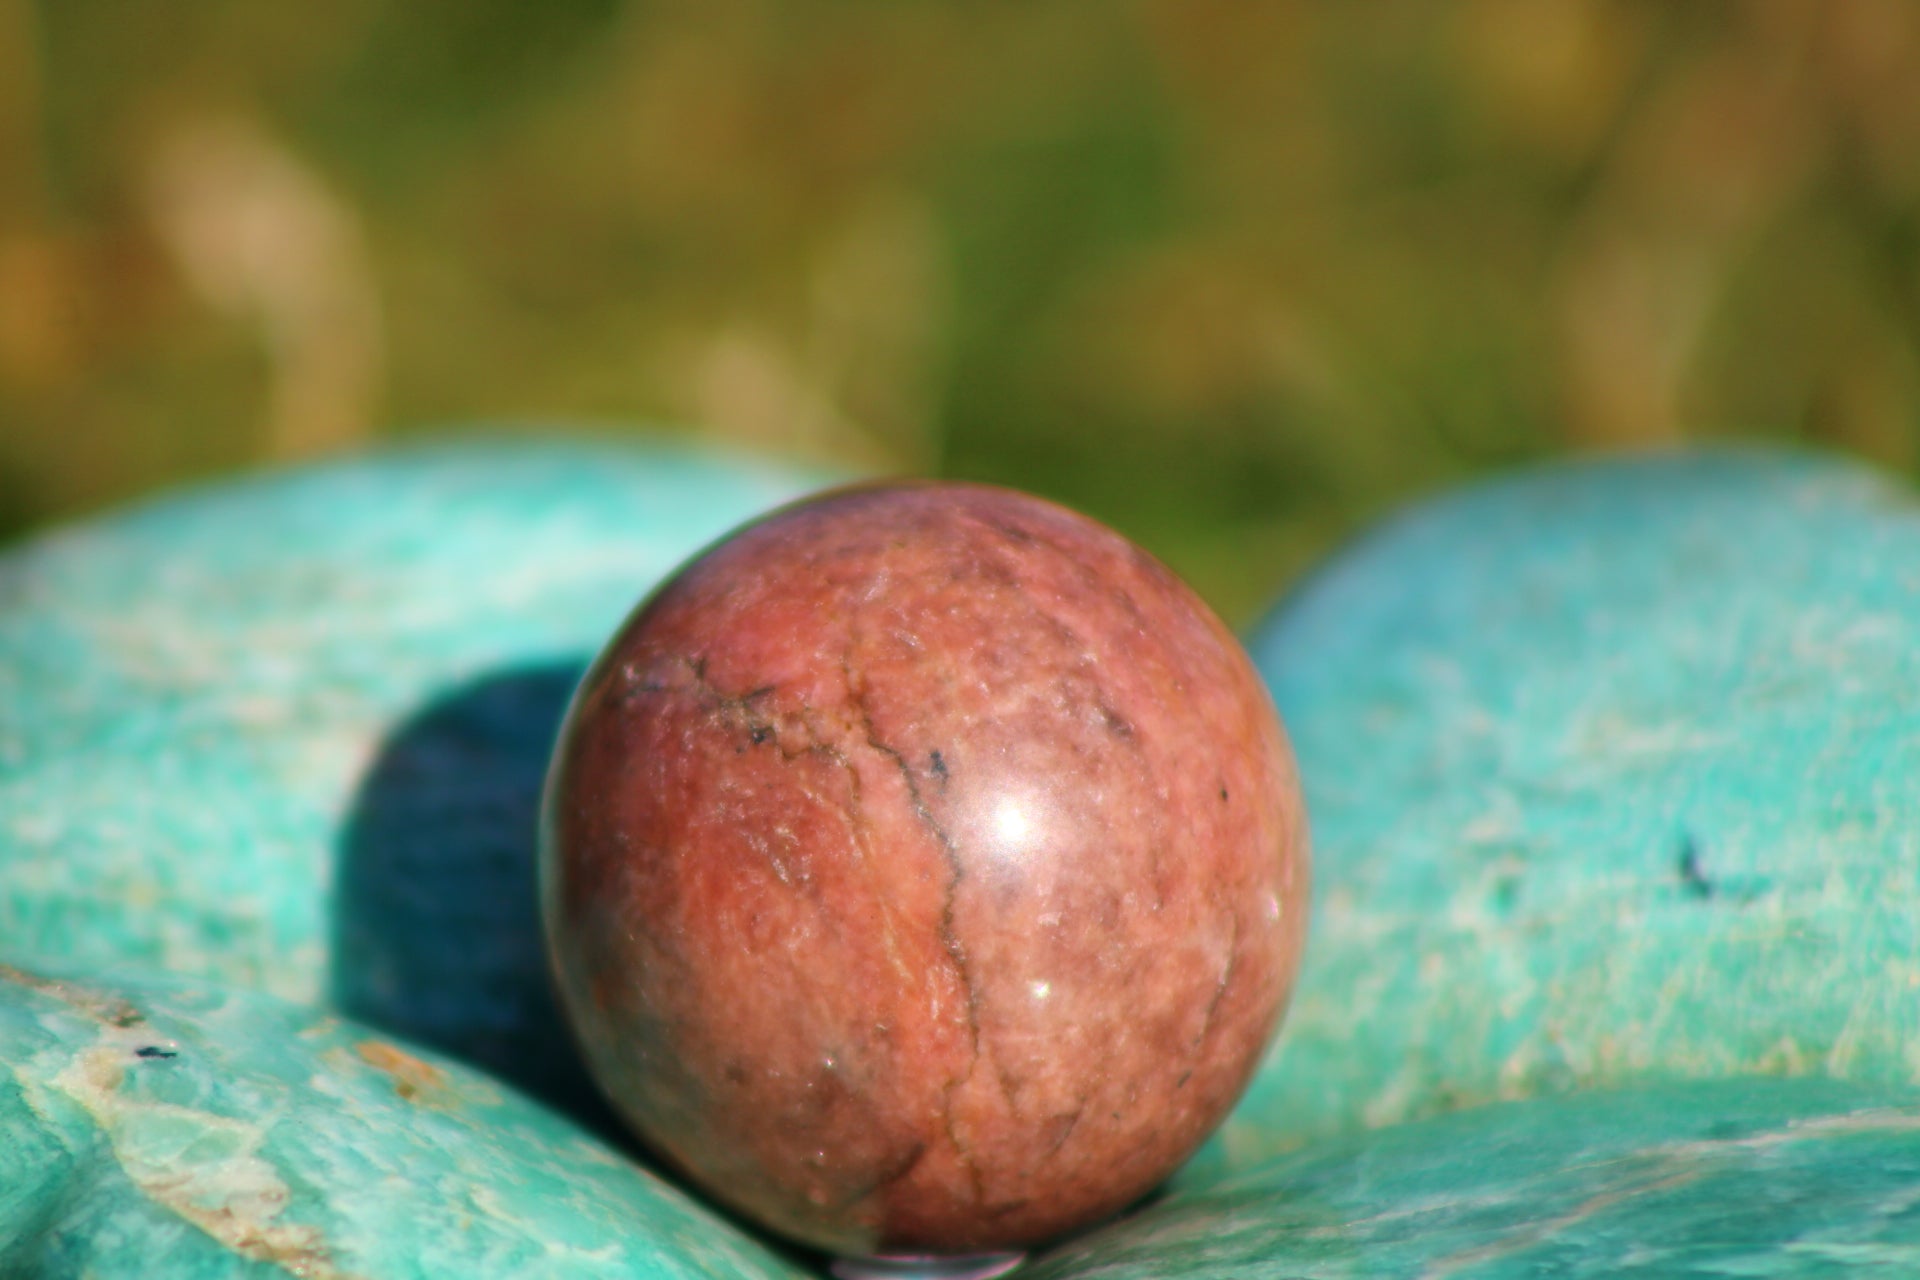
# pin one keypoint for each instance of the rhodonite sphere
(924, 870)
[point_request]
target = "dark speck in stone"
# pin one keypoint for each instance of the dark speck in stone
(1693, 876)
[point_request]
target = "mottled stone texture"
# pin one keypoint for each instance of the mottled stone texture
(925, 869)
(1612, 770)
(1807, 1179)
(173, 1129)
(289, 731)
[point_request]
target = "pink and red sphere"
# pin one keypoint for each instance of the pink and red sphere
(925, 870)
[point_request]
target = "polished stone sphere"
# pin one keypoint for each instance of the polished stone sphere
(924, 870)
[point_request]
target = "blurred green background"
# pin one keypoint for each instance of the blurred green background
(1234, 275)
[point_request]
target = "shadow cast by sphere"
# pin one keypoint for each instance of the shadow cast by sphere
(437, 933)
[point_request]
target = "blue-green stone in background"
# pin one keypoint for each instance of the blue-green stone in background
(165, 1128)
(1612, 772)
(1743, 1177)
(289, 732)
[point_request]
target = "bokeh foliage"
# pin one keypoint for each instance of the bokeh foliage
(1235, 275)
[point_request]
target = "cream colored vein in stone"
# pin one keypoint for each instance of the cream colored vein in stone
(204, 1167)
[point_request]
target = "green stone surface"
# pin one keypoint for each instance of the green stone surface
(1607, 767)
(167, 1128)
(1745, 1177)
(289, 732)
(1611, 775)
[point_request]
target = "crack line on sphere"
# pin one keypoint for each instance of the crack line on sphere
(1073, 1122)
(862, 852)
(1226, 979)
(949, 942)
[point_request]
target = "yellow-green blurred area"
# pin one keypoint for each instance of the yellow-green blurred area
(1234, 275)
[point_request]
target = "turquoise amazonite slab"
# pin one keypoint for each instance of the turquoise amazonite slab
(170, 1129)
(1612, 776)
(1609, 771)
(1800, 1178)
(289, 732)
